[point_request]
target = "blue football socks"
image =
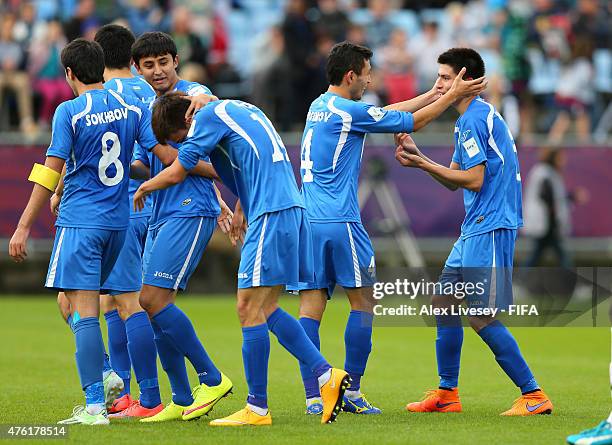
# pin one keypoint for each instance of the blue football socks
(449, 340)
(89, 357)
(358, 345)
(177, 326)
(311, 383)
(118, 349)
(508, 355)
(292, 337)
(173, 362)
(255, 355)
(142, 350)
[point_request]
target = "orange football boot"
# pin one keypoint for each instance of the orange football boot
(137, 410)
(437, 401)
(529, 404)
(120, 404)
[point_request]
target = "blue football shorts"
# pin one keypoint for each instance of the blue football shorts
(479, 268)
(82, 259)
(277, 250)
(174, 249)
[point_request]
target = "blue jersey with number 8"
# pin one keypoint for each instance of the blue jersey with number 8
(95, 134)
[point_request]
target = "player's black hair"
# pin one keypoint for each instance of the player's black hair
(169, 115)
(458, 58)
(85, 59)
(345, 57)
(116, 42)
(153, 44)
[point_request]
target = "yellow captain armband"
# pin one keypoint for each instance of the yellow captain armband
(44, 176)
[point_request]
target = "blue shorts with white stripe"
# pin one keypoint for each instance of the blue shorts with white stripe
(126, 276)
(479, 268)
(174, 249)
(277, 250)
(82, 259)
(344, 256)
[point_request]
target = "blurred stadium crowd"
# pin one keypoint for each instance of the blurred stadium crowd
(549, 62)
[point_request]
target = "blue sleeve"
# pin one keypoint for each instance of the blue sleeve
(370, 119)
(195, 89)
(456, 157)
(141, 155)
(473, 142)
(205, 133)
(62, 135)
(145, 136)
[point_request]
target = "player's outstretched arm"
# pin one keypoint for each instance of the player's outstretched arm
(460, 88)
(405, 144)
(46, 179)
(415, 103)
(166, 178)
(470, 179)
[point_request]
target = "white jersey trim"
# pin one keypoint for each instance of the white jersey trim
(355, 259)
(257, 266)
(189, 255)
(491, 140)
(347, 120)
(133, 108)
(87, 109)
(52, 272)
(225, 117)
(119, 85)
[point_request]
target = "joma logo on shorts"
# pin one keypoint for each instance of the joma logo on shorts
(163, 275)
(243, 275)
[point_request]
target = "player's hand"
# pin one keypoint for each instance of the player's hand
(17, 245)
(239, 227)
(224, 220)
(404, 140)
(198, 102)
(467, 88)
(407, 159)
(140, 198)
(54, 203)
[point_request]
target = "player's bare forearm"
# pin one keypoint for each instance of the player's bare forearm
(139, 171)
(40, 195)
(416, 103)
(168, 177)
(426, 114)
(470, 179)
(204, 169)
(59, 190)
(167, 155)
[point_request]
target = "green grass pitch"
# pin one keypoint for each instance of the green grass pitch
(40, 383)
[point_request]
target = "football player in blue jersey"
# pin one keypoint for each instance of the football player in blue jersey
(130, 335)
(332, 146)
(251, 159)
(181, 224)
(485, 165)
(93, 136)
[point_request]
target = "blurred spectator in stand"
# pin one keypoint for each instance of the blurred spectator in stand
(333, 21)
(144, 16)
(574, 93)
(84, 20)
(301, 52)
(425, 49)
(270, 74)
(511, 33)
(25, 29)
(547, 207)
(591, 22)
(190, 48)
(396, 68)
(13, 78)
(357, 34)
(46, 70)
(379, 26)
